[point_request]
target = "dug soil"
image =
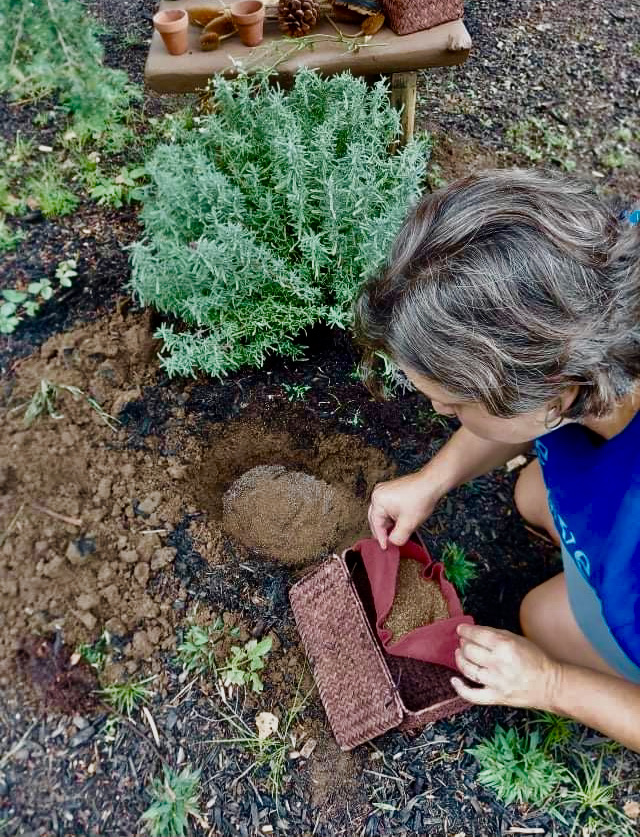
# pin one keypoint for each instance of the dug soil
(189, 503)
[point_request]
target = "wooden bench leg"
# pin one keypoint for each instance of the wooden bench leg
(403, 97)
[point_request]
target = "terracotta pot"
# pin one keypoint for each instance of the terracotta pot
(172, 24)
(248, 18)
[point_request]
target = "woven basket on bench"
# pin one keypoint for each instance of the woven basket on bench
(406, 16)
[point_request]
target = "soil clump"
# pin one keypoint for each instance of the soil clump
(417, 602)
(292, 516)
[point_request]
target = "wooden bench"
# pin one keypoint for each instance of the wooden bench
(386, 54)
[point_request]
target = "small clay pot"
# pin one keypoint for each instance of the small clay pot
(248, 18)
(172, 24)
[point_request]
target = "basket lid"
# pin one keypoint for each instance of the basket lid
(354, 683)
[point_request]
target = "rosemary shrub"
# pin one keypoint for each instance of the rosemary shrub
(265, 216)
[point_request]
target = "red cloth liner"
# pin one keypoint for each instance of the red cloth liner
(435, 643)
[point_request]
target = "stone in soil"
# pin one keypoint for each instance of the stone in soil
(417, 602)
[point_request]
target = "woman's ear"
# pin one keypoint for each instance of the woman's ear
(567, 398)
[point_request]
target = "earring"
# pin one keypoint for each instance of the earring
(553, 418)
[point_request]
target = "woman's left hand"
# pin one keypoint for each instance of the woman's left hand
(511, 670)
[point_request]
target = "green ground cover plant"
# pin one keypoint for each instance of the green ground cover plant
(516, 768)
(50, 48)
(174, 801)
(128, 696)
(265, 216)
(457, 567)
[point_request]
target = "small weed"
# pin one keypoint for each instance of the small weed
(66, 272)
(196, 652)
(9, 239)
(356, 419)
(556, 731)
(44, 403)
(123, 188)
(538, 142)
(296, 392)
(457, 567)
(273, 750)
(516, 767)
(174, 800)
(96, 654)
(591, 803)
(243, 664)
(53, 198)
(125, 697)
(431, 418)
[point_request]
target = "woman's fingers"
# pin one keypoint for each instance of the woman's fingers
(477, 654)
(480, 696)
(486, 637)
(379, 523)
(473, 671)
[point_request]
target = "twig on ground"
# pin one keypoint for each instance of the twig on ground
(16, 747)
(12, 523)
(72, 521)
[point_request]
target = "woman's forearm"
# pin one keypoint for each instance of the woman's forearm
(465, 457)
(606, 703)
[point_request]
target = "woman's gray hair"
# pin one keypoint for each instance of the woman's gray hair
(507, 287)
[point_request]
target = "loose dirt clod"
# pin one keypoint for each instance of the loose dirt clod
(417, 601)
(290, 515)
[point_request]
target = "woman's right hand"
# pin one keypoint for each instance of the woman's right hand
(399, 506)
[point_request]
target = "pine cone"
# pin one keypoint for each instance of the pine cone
(297, 17)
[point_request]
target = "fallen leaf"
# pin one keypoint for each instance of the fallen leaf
(266, 724)
(632, 809)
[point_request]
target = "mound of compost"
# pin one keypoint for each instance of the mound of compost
(292, 516)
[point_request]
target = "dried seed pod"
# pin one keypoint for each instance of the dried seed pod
(373, 24)
(222, 25)
(202, 15)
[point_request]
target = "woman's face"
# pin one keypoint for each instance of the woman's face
(474, 416)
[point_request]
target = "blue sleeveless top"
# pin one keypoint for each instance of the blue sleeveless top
(594, 496)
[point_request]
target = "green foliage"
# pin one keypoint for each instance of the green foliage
(457, 567)
(44, 402)
(591, 803)
(271, 752)
(125, 697)
(516, 767)
(196, 651)
(96, 654)
(121, 189)
(296, 392)
(175, 799)
(555, 730)
(49, 190)
(19, 303)
(9, 238)
(265, 216)
(197, 654)
(51, 48)
(538, 142)
(243, 664)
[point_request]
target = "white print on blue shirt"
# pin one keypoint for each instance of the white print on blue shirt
(580, 558)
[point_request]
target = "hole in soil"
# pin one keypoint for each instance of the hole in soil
(291, 501)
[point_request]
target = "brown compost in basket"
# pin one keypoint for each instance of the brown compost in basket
(365, 688)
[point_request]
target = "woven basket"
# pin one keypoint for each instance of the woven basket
(406, 16)
(365, 691)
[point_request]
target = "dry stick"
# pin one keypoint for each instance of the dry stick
(7, 531)
(72, 521)
(16, 747)
(132, 726)
(517, 830)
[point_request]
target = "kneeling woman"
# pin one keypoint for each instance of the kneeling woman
(512, 301)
